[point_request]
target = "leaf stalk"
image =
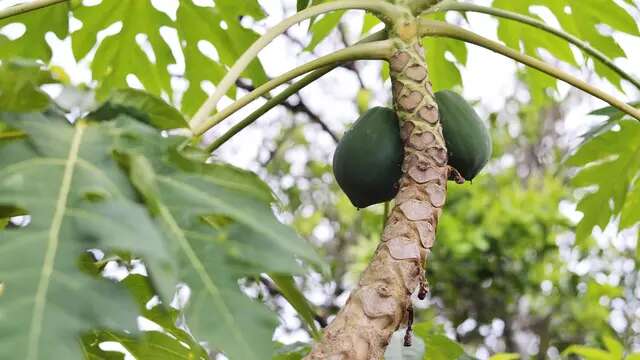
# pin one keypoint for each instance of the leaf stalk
(27, 7)
(375, 50)
(384, 9)
(284, 95)
(442, 29)
(582, 45)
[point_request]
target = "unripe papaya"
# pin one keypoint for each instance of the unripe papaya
(367, 163)
(467, 138)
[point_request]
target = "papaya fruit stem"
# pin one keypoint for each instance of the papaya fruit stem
(442, 29)
(583, 45)
(408, 334)
(374, 50)
(386, 11)
(456, 176)
(27, 7)
(284, 95)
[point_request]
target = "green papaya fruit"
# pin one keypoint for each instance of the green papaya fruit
(467, 138)
(368, 159)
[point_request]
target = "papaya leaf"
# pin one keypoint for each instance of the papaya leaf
(20, 82)
(613, 113)
(505, 356)
(438, 346)
(151, 345)
(222, 231)
(302, 4)
(295, 351)
(529, 40)
(610, 162)
(196, 24)
(233, 9)
(217, 310)
(323, 27)
(524, 37)
(112, 62)
(588, 353)
(49, 298)
(576, 17)
(287, 286)
(143, 106)
(369, 22)
(584, 20)
(32, 43)
(443, 71)
(169, 342)
(614, 346)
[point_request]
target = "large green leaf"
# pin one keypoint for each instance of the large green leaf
(32, 43)
(215, 219)
(589, 353)
(169, 342)
(531, 41)
(287, 286)
(302, 4)
(196, 24)
(576, 17)
(64, 177)
(119, 55)
(505, 356)
(429, 342)
(295, 351)
(222, 228)
(610, 162)
(143, 106)
(584, 20)
(20, 82)
(322, 27)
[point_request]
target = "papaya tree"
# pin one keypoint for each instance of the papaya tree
(114, 206)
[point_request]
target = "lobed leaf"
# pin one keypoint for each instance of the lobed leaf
(610, 163)
(77, 200)
(112, 62)
(196, 24)
(38, 23)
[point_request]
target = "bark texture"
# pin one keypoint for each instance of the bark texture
(381, 303)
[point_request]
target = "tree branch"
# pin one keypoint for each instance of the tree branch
(584, 46)
(438, 28)
(27, 7)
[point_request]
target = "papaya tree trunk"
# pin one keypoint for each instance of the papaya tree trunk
(381, 302)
